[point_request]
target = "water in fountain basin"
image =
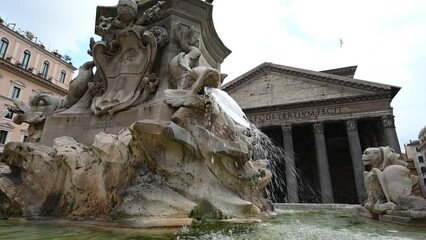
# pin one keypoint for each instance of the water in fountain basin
(292, 225)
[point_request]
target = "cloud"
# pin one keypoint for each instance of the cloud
(384, 38)
(59, 25)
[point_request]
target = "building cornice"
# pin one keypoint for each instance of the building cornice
(6, 98)
(32, 77)
(316, 103)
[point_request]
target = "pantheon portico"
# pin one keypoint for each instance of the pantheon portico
(324, 120)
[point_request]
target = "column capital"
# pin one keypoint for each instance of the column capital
(351, 125)
(388, 121)
(319, 128)
(286, 129)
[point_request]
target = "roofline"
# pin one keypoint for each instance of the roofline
(339, 71)
(17, 35)
(314, 75)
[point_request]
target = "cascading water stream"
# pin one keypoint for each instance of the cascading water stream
(228, 105)
(263, 147)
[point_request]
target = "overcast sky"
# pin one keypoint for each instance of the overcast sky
(386, 39)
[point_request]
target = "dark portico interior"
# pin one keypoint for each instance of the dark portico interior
(339, 159)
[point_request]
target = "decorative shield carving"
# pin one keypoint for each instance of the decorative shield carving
(122, 72)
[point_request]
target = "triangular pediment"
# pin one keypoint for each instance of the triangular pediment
(275, 85)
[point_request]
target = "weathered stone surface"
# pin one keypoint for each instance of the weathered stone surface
(389, 186)
(154, 200)
(227, 150)
(155, 168)
(84, 126)
(34, 177)
(181, 173)
(68, 179)
(411, 218)
(8, 207)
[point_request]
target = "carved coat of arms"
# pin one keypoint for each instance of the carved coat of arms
(122, 72)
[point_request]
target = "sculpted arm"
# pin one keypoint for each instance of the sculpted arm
(188, 43)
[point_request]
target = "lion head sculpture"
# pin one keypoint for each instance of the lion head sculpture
(381, 157)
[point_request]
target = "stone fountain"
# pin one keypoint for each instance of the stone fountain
(149, 138)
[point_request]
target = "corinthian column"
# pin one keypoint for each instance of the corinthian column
(322, 162)
(356, 156)
(390, 132)
(290, 166)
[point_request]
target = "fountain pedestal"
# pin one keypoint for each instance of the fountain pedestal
(149, 136)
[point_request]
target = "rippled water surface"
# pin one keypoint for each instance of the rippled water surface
(289, 225)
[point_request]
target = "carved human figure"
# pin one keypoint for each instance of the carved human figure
(181, 66)
(109, 26)
(127, 11)
(128, 17)
(186, 76)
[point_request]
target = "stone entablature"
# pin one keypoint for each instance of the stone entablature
(282, 116)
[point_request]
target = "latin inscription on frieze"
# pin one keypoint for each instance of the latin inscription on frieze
(105, 124)
(296, 114)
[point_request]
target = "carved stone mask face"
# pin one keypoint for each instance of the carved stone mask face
(126, 14)
(43, 102)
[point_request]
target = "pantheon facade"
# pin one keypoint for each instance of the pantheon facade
(324, 121)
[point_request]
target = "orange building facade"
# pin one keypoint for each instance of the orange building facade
(26, 68)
